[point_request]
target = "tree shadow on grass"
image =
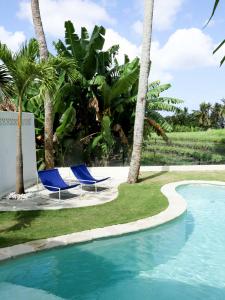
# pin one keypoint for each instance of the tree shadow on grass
(152, 176)
(8, 241)
(23, 220)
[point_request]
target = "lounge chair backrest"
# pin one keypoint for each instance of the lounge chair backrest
(52, 178)
(82, 173)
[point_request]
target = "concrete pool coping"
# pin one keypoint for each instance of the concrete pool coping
(177, 206)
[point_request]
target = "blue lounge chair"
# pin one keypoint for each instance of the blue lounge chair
(83, 175)
(53, 182)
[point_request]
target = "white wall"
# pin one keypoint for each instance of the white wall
(121, 173)
(8, 125)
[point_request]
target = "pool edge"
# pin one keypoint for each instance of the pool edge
(177, 206)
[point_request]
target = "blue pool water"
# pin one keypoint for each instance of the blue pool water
(184, 259)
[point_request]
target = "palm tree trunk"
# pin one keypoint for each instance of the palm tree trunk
(39, 31)
(19, 153)
(49, 151)
(142, 91)
(38, 28)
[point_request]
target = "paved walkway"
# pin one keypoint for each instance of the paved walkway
(75, 198)
(38, 198)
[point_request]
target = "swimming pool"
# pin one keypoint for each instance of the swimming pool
(184, 259)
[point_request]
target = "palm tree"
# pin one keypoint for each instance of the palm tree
(142, 91)
(182, 117)
(217, 115)
(22, 69)
(203, 115)
(49, 153)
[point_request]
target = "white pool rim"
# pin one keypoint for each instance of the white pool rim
(177, 206)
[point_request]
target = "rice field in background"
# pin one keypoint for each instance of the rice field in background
(202, 147)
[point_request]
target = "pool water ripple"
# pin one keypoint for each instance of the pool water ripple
(184, 259)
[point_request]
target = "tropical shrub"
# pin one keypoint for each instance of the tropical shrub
(94, 99)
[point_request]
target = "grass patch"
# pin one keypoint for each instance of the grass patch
(212, 135)
(134, 202)
(203, 147)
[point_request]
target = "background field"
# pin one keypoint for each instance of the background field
(202, 147)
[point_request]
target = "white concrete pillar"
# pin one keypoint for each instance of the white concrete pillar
(8, 125)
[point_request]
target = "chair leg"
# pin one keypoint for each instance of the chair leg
(38, 187)
(59, 194)
(81, 192)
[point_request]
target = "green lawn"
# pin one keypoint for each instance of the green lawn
(134, 202)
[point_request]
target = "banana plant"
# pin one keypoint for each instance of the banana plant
(113, 95)
(156, 104)
(84, 49)
(106, 87)
(104, 141)
(67, 122)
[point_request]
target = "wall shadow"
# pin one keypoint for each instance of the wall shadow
(152, 176)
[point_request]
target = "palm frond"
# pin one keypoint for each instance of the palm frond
(6, 55)
(222, 61)
(5, 77)
(29, 50)
(5, 81)
(218, 47)
(213, 11)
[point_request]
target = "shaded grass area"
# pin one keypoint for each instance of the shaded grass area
(134, 202)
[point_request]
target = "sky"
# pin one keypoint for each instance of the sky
(181, 50)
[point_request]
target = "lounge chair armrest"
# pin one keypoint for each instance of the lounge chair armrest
(101, 177)
(88, 180)
(69, 180)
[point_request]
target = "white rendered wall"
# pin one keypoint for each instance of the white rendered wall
(8, 125)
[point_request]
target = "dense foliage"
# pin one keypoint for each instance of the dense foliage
(207, 116)
(94, 98)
